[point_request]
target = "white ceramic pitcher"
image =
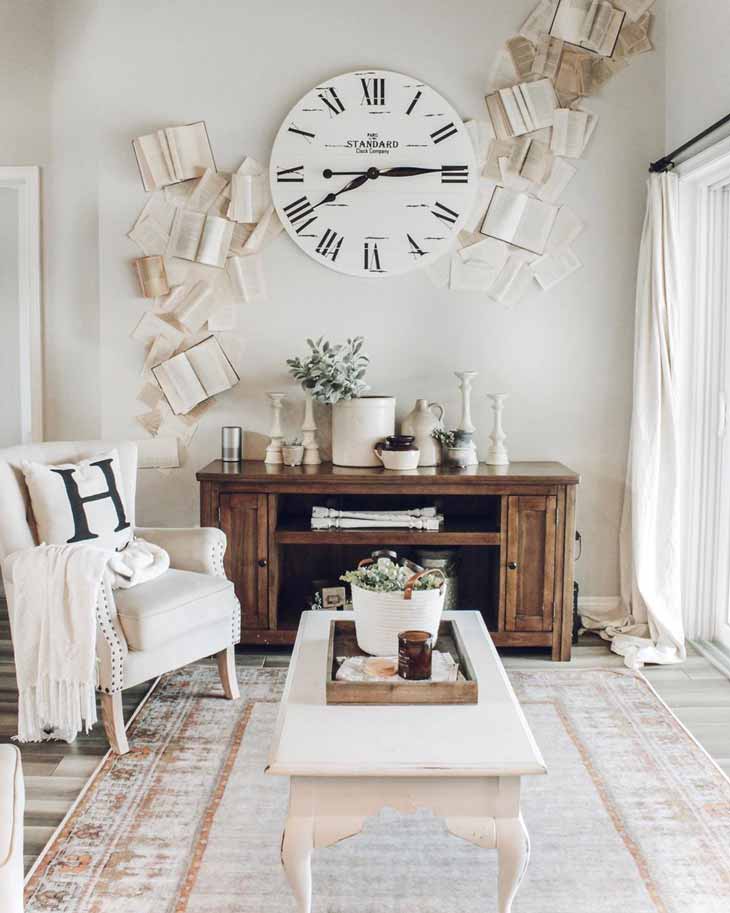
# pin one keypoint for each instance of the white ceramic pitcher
(421, 422)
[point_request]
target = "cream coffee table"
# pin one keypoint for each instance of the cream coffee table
(346, 763)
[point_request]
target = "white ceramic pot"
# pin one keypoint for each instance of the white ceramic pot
(460, 456)
(357, 426)
(380, 617)
(292, 454)
(421, 422)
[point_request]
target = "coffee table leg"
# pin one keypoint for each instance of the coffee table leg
(513, 850)
(296, 857)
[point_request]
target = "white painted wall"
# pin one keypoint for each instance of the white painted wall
(564, 357)
(697, 69)
(10, 429)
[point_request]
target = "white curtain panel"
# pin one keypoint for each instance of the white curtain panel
(648, 628)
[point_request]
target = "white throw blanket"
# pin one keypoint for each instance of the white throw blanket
(52, 605)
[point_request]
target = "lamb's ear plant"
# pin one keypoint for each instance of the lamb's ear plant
(332, 372)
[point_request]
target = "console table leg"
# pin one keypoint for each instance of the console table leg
(513, 849)
(296, 857)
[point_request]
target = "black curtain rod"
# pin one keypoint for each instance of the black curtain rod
(664, 164)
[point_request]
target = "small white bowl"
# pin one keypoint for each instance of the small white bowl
(402, 460)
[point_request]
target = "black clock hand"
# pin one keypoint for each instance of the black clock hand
(353, 185)
(329, 173)
(406, 171)
(401, 171)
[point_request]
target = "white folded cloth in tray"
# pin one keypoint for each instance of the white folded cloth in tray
(444, 668)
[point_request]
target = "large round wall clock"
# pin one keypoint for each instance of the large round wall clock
(373, 173)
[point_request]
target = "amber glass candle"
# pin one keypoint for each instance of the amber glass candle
(414, 655)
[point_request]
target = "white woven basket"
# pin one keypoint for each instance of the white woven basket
(380, 617)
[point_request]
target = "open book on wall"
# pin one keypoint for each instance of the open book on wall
(521, 109)
(173, 155)
(590, 24)
(196, 236)
(195, 375)
(519, 220)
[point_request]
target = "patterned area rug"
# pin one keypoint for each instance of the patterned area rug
(632, 817)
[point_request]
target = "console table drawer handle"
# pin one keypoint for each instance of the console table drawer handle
(512, 565)
(263, 562)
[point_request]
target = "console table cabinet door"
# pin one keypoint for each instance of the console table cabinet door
(531, 533)
(244, 520)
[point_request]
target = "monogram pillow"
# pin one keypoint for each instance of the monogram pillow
(82, 502)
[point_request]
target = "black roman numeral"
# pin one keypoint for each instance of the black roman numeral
(305, 133)
(443, 133)
(454, 174)
(332, 100)
(330, 244)
(415, 249)
(444, 213)
(298, 210)
(414, 102)
(371, 257)
(373, 91)
(290, 174)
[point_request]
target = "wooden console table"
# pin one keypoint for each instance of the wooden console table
(514, 528)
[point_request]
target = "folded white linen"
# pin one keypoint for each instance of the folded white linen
(139, 562)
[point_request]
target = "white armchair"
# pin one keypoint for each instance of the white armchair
(188, 613)
(12, 805)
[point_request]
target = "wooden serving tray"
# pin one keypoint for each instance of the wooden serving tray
(343, 642)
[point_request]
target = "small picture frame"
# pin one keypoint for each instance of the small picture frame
(332, 595)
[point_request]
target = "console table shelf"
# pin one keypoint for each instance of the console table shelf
(299, 533)
(513, 526)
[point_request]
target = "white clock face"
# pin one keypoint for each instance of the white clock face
(373, 173)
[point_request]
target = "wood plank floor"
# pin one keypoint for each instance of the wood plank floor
(55, 773)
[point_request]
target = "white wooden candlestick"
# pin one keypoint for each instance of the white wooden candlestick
(273, 451)
(497, 453)
(465, 423)
(309, 434)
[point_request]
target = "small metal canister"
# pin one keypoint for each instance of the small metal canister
(231, 444)
(446, 560)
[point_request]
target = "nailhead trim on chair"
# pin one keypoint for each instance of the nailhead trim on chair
(217, 552)
(116, 649)
(236, 631)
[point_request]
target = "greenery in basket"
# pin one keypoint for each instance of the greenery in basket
(332, 372)
(385, 576)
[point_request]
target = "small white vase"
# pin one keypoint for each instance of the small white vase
(357, 426)
(421, 423)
